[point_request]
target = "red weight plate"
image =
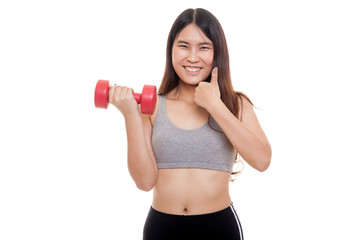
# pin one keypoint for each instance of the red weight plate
(101, 96)
(148, 99)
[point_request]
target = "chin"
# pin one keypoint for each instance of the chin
(192, 81)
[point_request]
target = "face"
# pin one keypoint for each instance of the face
(192, 55)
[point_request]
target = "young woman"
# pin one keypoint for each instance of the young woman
(185, 151)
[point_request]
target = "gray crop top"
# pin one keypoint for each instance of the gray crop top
(198, 148)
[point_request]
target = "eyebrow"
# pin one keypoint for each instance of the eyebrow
(202, 43)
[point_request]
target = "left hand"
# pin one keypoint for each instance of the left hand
(207, 94)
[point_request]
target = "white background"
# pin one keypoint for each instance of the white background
(63, 172)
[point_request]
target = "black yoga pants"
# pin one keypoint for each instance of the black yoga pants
(222, 225)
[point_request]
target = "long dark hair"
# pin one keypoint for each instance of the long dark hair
(211, 27)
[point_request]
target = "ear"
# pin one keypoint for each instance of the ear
(214, 76)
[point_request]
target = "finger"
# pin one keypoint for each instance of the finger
(111, 93)
(214, 76)
(123, 91)
(118, 93)
(129, 92)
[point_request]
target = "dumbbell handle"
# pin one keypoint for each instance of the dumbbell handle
(137, 97)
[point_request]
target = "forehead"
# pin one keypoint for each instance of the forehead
(192, 34)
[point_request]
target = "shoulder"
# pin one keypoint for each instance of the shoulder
(244, 99)
(244, 103)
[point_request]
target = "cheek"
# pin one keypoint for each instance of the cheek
(177, 56)
(175, 59)
(207, 58)
(210, 59)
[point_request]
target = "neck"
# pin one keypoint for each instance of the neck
(184, 92)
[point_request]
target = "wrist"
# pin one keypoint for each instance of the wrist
(216, 106)
(132, 117)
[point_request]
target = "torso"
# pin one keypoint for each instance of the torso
(189, 191)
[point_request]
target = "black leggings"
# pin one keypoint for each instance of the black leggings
(224, 225)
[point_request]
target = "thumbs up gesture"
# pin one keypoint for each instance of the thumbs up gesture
(208, 94)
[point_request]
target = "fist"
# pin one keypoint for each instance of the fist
(206, 94)
(123, 99)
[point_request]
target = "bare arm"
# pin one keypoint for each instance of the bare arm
(141, 161)
(247, 136)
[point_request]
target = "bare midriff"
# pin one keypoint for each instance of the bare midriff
(191, 191)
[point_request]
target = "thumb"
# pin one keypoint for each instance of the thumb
(214, 76)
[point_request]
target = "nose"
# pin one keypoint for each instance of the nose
(193, 55)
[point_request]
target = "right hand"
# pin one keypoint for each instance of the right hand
(122, 98)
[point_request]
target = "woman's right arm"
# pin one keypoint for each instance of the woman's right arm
(141, 160)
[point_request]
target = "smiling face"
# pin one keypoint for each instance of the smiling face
(192, 55)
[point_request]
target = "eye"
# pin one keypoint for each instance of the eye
(182, 46)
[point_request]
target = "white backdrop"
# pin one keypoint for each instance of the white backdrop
(63, 172)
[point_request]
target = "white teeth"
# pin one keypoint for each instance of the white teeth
(190, 69)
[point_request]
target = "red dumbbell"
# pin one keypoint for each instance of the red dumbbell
(147, 99)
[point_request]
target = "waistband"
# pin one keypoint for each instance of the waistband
(197, 216)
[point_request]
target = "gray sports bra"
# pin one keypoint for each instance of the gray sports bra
(198, 148)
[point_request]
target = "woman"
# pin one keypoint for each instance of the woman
(185, 151)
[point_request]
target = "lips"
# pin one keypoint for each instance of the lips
(192, 69)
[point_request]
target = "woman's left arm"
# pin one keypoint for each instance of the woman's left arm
(247, 135)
